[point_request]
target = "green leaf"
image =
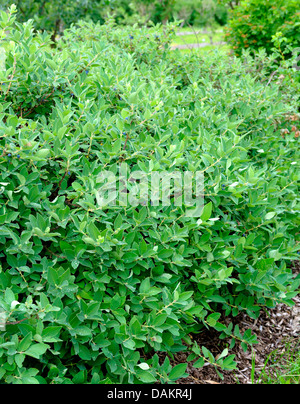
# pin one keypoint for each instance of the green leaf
(199, 363)
(25, 343)
(42, 153)
(160, 320)
(146, 377)
(80, 377)
(207, 211)
(270, 215)
(9, 296)
(213, 318)
(178, 371)
(50, 334)
(19, 359)
(84, 353)
(208, 354)
(143, 366)
(130, 344)
(37, 350)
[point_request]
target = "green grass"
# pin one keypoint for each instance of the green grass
(222, 49)
(197, 29)
(282, 368)
(198, 38)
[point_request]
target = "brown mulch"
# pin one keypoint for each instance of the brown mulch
(274, 329)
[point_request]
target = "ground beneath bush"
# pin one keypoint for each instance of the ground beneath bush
(274, 329)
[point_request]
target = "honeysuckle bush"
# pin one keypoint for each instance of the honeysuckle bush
(91, 294)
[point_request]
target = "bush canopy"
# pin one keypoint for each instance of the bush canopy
(92, 294)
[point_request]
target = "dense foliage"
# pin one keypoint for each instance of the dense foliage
(91, 294)
(56, 15)
(200, 12)
(253, 23)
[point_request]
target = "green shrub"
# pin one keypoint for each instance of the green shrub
(221, 14)
(56, 15)
(200, 12)
(253, 23)
(91, 294)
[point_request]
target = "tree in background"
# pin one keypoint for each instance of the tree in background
(186, 9)
(190, 12)
(229, 3)
(201, 13)
(56, 15)
(143, 11)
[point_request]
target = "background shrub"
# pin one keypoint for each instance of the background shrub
(253, 23)
(54, 16)
(200, 12)
(92, 294)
